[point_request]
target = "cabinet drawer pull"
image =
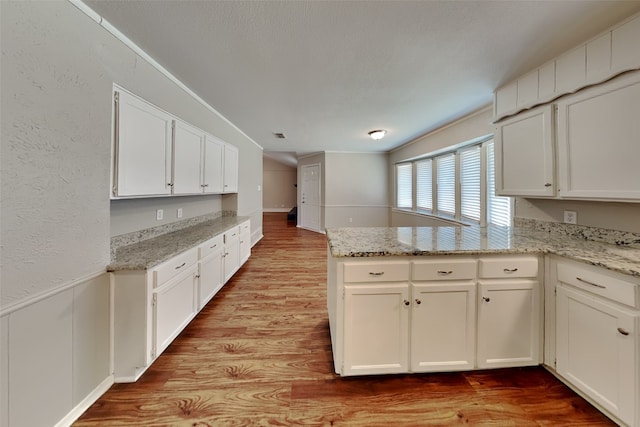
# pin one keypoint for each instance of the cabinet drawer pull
(181, 265)
(510, 270)
(379, 273)
(623, 331)
(548, 184)
(591, 284)
(211, 247)
(445, 273)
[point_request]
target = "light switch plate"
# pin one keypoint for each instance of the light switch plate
(570, 217)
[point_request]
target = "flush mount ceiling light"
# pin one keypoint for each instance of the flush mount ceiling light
(377, 134)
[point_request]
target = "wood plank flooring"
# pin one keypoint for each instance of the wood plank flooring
(259, 354)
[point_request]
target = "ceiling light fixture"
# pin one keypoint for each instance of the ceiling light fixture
(377, 134)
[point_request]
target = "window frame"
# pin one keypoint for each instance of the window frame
(456, 151)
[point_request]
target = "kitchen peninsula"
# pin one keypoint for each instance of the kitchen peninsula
(426, 299)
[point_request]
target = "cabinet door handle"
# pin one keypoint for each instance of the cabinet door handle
(211, 247)
(181, 265)
(623, 331)
(510, 270)
(407, 302)
(486, 299)
(445, 273)
(418, 301)
(376, 273)
(591, 284)
(170, 184)
(197, 276)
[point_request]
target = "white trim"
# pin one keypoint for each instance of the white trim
(138, 51)
(304, 156)
(357, 206)
(272, 210)
(85, 403)
(424, 215)
(49, 293)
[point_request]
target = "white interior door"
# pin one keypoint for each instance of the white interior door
(310, 203)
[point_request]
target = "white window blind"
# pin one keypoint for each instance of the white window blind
(404, 173)
(470, 183)
(446, 190)
(424, 185)
(498, 208)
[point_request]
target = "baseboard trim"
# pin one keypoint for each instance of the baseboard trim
(91, 398)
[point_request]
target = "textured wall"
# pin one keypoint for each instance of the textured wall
(58, 71)
(56, 127)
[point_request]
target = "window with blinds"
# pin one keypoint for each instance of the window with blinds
(424, 185)
(470, 183)
(446, 178)
(404, 176)
(459, 185)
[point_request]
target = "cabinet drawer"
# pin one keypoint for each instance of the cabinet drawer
(599, 283)
(175, 265)
(444, 270)
(505, 267)
(232, 234)
(245, 227)
(376, 272)
(210, 246)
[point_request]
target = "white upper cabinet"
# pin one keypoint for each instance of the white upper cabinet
(142, 148)
(213, 164)
(599, 141)
(230, 169)
(625, 53)
(188, 144)
(156, 154)
(524, 154)
(601, 58)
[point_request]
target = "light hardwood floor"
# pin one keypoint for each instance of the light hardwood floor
(259, 354)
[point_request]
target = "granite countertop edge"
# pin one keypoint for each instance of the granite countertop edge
(149, 253)
(533, 242)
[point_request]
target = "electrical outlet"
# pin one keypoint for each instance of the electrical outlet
(570, 217)
(159, 214)
(179, 212)
(350, 219)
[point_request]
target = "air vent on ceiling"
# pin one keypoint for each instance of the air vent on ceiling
(279, 135)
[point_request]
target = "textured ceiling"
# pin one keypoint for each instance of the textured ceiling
(325, 73)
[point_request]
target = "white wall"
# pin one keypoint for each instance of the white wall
(279, 190)
(57, 73)
(356, 190)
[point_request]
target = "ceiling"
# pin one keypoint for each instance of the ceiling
(325, 73)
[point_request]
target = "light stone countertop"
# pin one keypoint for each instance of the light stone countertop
(151, 252)
(357, 242)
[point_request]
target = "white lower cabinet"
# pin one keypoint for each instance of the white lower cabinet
(231, 256)
(597, 338)
(152, 307)
(210, 269)
(245, 241)
(376, 329)
(443, 326)
(174, 306)
(508, 323)
(426, 316)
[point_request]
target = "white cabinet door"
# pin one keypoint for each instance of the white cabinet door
(230, 169)
(597, 350)
(142, 149)
(443, 324)
(524, 154)
(376, 329)
(231, 253)
(598, 141)
(213, 165)
(210, 280)
(245, 242)
(174, 306)
(187, 152)
(508, 323)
